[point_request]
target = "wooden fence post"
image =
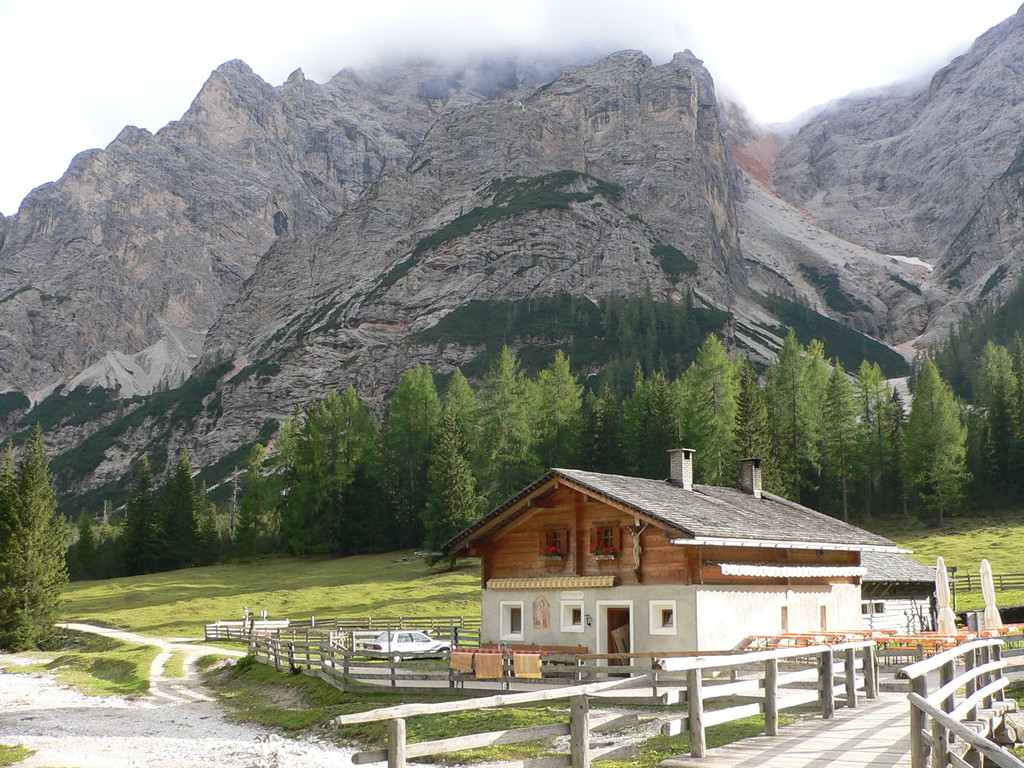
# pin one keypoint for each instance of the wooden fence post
(771, 697)
(870, 672)
(396, 743)
(997, 655)
(695, 707)
(579, 731)
(851, 677)
(918, 747)
(827, 680)
(946, 674)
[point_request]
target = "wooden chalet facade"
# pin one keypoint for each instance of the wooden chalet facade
(621, 564)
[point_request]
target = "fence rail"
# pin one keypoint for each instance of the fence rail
(764, 681)
(969, 583)
(959, 727)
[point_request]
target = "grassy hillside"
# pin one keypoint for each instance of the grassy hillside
(963, 543)
(179, 603)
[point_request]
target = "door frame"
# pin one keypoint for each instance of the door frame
(601, 609)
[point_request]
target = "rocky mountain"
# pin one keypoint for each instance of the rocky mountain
(112, 275)
(926, 171)
(279, 242)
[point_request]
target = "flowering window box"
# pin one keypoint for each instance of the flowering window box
(605, 555)
(553, 558)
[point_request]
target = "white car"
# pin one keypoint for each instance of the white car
(399, 644)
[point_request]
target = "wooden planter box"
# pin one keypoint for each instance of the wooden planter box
(605, 557)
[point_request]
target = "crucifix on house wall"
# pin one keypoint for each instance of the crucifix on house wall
(634, 531)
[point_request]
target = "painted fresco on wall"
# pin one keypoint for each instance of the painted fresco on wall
(541, 612)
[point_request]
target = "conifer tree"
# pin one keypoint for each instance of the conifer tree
(82, 556)
(209, 550)
(140, 545)
(936, 445)
(650, 426)
(786, 408)
(753, 434)
(178, 504)
(409, 436)
(319, 451)
(839, 435)
(874, 424)
(996, 396)
(707, 400)
(508, 439)
(558, 415)
(604, 433)
(252, 510)
(33, 569)
(453, 499)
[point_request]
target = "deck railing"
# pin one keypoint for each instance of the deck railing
(952, 722)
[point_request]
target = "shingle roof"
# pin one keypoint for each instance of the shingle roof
(893, 566)
(713, 511)
(706, 511)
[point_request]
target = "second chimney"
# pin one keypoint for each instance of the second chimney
(680, 467)
(750, 476)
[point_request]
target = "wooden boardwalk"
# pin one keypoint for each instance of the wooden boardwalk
(875, 735)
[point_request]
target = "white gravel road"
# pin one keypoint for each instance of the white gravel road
(176, 726)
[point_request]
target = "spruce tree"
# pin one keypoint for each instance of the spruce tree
(707, 401)
(33, 569)
(558, 416)
(508, 439)
(82, 556)
(996, 396)
(753, 433)
(839, 435)
(604, 433)
(872, 398)
(936, 440)
(178, 505)
(650, 425)
(139, 545)
(252, 507)
(209, 549)
(454, 502)
(786, 408)
(409, 436)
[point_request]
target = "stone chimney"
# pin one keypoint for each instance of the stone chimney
(680, 467)
(750, 476)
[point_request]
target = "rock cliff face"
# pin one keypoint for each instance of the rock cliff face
(923, 171)
(143, 243)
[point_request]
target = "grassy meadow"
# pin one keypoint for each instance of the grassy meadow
(179, 603)
(998, 536)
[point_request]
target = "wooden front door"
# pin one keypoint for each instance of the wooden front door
(618, 632)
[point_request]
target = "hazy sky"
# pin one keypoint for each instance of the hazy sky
(74, 73)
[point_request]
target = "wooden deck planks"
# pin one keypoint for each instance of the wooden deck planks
(875, 735)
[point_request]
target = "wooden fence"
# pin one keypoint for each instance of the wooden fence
(959, 729)
(349, 634)
(765, 682)
(969, 583)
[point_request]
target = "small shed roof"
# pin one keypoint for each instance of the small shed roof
(706, 511)
(895, 567)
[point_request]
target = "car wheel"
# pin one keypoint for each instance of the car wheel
(396, 657)
(446, 652)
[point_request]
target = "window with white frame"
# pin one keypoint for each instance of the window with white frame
(663, 617)
(512, 621)
(572, 615)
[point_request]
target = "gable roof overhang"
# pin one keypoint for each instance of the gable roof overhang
(716, 541)
(526, 499)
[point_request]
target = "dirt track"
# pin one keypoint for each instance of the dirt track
(177, 725)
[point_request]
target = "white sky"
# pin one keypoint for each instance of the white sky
(74, 73)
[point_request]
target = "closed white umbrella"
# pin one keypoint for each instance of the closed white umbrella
(947, 619)
(992, 618)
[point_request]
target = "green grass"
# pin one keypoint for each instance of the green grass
(179, 603)
(963, 543)
(14, 753)
(175, 666)
(96, 665)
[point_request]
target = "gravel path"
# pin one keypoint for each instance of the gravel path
(176, 726)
